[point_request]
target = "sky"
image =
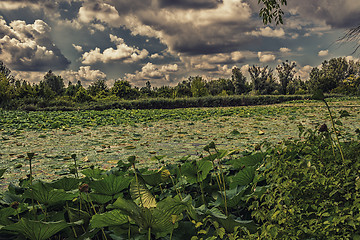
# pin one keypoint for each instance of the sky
(167, 41)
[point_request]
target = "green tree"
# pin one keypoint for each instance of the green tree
(122, 89)
(6, 72)
(197, 86)
(97, 87)
(6, 89)
(71, 90)
(239, 81)
(220, 86)
(183, 89)
(25, 90)
(55, 83)
(147, 90)
(331, 74)
(44, 91)
(165, 92)
(286, 74)
(262, 80)
(82, 95)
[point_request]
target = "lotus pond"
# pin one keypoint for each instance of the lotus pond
(103, 138)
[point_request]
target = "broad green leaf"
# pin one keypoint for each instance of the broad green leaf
(111, 218)
(233, 197)
(229, 224)
(76, 215)
(37, 230)
(141, 216)
(2, 171)
(95, 173)
(250, 160)
(100, 198)
(66, 183)
(196, 171)
(110, 184)
(175, 206)
(156, 177)
(5, 213)
(141, 194)
(45, 194)
(218, 155)
(243, 177)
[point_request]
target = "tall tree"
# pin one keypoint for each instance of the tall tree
(198, 88)
(239, 81)
(262, 79)
(6, 90)
(286, 74)
(97, 87)
(55, 83)
(183, 89)
(6, 72)
(123, 89)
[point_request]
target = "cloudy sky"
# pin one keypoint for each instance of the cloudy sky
(166, 41)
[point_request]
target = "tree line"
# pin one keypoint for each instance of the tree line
(337, 75)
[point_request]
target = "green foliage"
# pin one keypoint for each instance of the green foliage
(286, 74)
(37, 230)
(271, 10)
(313, 194)
(262, 80)
(55, 83)
(197, 85)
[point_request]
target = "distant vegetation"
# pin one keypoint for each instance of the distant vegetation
(337, 75)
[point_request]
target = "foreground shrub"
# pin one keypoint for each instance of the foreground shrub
(313, 193)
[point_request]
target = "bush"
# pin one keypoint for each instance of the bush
(313, 193)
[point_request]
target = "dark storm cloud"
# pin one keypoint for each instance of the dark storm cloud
(22, 3)
(129, 6)
(69, 10)
(337, 14)
(189, 4)
(28, 47)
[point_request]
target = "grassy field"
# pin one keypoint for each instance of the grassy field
(102, 138)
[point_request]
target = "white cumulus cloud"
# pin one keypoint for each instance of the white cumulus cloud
(323, 53)
(264, 58)
(122, 53)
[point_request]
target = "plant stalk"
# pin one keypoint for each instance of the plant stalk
(336, 136)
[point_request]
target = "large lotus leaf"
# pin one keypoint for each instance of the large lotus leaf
(229, 224)
(77, 214)
(37, 230)
(10, 197)
(196, 171)
(107, 219)
(218, 155)
(2, 171)
(142, 216)
(44, 193)
(233, 197)
(99, 198)
(161, 223)
(141, 194)
(95, 173)
(247, 161)
(5, 213)
(110, 184)
(158, 219)
(156, 177)
(243, 178)
(66, 183)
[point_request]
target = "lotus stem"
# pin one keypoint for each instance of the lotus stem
(336, 135)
